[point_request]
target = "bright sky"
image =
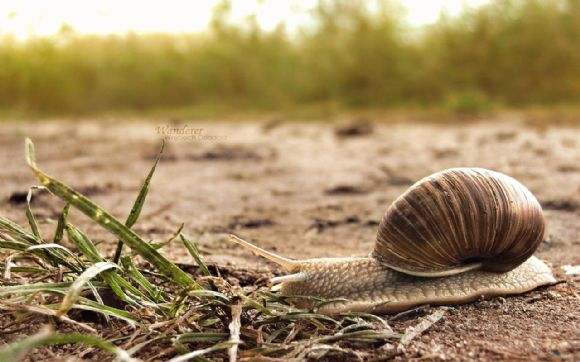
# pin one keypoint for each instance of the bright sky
(24, 18)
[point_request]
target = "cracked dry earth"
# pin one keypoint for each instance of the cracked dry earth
(319, 190)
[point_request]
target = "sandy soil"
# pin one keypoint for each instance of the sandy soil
(319, 190)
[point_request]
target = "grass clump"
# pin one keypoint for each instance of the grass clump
(153, 309)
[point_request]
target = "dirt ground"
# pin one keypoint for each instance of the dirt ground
(318, 190)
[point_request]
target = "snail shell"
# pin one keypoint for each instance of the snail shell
(460, 219)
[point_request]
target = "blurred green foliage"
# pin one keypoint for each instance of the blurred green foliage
(355, 54)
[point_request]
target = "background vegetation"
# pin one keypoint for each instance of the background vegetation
(354, 54)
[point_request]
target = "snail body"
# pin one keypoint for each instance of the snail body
(452, 237)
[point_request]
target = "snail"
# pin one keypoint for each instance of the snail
(451, 238)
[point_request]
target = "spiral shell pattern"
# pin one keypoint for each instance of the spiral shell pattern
(459, 217)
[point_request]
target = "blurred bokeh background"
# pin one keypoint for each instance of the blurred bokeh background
(292, 58)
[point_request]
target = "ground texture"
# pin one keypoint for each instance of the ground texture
(318, 190)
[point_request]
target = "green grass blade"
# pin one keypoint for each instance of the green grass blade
(202, 337)
(208, 293)
(83, 243)
(29, 215)
(18, 350)
(110, 223)
(131, 268)
(60, 288)
(97, 297)
(75, 289)
(366, 335)
(13, 245)
(54, 288)
(194, 252)
(139, 202)
(22, 239)
(24, 269)
(17, 232)
(324, 303)
(130, 293)
(138, 205)
(370, 317)
(59, 233)
(201, 352)
(63, 249)
(107, 311)
(160, 244)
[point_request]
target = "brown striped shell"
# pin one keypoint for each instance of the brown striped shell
(460, 219)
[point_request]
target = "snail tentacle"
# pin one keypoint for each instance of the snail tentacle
(288, 264)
